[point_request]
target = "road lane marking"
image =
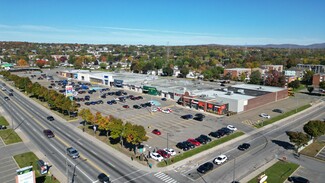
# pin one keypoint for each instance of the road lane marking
(138, 177)
(125, 175)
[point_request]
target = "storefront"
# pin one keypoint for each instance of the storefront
(118, 83)
(217, 108)
(150, 90)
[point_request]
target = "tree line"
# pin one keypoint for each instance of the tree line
(55, 100)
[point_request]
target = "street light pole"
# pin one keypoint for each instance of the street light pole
(234, 173)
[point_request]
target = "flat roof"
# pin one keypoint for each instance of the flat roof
(215, 94)
(258, 87)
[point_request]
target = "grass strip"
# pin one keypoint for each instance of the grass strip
(282, 116)
(279, 172)
(313, 149)
(3, 121)
(199, 149)
(9, 136)
(30, 159)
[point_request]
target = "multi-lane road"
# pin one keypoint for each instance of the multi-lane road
(31, 119)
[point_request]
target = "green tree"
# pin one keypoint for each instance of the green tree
(310, 89)
(307, 79)
(298, 138)
(315, 128)
(255, 78)
(294, 84)
(322, 85)
(103, 65)
(169, 71)
(117, 128)
(242, 77)
(184, 71)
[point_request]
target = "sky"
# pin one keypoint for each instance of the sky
(164, 22)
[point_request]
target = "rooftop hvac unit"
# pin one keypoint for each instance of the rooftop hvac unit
(224, 89)
(241, 91)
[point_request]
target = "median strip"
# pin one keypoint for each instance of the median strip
(198, 150)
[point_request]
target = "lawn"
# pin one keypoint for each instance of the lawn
(313, 149)
(279, 172)
(29, 159)
(3, 121)
(9, 136)
(282, 116)
(199, 149)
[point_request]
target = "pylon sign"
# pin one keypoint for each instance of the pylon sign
(25, 175)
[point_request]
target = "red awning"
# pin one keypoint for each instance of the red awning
(210, 106)
(201, 104)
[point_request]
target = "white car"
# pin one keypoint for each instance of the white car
(154, 110)
(232, 128)
(220, 159)
(165, 111)
(264, 115)
(156, 156)
(170, 151)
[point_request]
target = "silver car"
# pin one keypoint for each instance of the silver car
(72, 152)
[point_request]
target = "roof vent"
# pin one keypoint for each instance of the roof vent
(230, 93)
(241, 91)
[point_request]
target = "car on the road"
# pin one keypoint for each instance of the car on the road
(183, 146)
(6, 98)
(205, 167)
(187, 116)
(220, 159)
(136, 107)
(48, 133)
(264, 115)
(244, 146)
(163, 153)
(72, 152)
(194, 142)
(103, 178)
(215, 134)
(50, 118)
(231, 127)
(126, 106)
(163, 99)
(156, 131)
(296, 179)
(170, 151)
(11, 90)
(278, 110)
(156, 156)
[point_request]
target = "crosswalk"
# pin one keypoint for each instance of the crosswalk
(164, 177)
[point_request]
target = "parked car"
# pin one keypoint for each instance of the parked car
(231, 127)
(194, 142)
(244, 146)
(136, 107)
(199, 115)
(187, 116)
(183, 146)
(113, 101)
(264, 115)
(48, 133)
(109, 102)
(205, 167)
(163, 153)
(99, 102)
(50, 118)
(220, 159)
(206, 138)
(198, 118)
(297, 179)
(215, 134)
(72, 152)
(166, 111)
(103, 178)
(226, 131)
(126, 106)
(156, 156)
(170, 151)
(163, 99)
(154, 110)
(201, 140)
(156, 131)
(189, 144)
(278, 110)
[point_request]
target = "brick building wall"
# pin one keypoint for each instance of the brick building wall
(260, 100)
(317, 78)
(282, 94)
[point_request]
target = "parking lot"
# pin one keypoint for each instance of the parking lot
(172, 125)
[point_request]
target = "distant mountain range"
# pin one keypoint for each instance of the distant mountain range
(293, 46)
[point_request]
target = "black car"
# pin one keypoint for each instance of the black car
(205, 167)
(278, 110)
(87, 103)
(244, 146)
(163, 99)
(215, 134)
(199, 115)
(113, 101)
(48, 133)
(226, 131)
(99, 102)
(6, 98)
(50, 118)
(298, 179)
(190, 145)
(143, 105)
(87, 97)
(182, 145)
(136, 107)
(187, 116)
(11, 90)
(206, 138)
(103, 178)
(201, 140)
(103, 96)
(198, 118)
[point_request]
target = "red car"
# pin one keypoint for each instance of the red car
(194, 142)
(156, 131)
(126, 106)
(163, 153)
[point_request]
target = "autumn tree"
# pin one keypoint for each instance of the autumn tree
(275, 78)
(40, 63)
(22, 63)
